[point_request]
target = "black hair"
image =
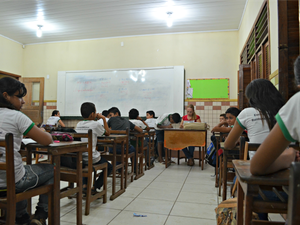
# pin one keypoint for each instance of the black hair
(10, 86)
(55, 112)
(263, 96)
(297, 71)
(151, 113)
(133, 113)
(86, 109)
(176, 117)
(233, 110)
(105, 113)
(223, 115)
(114, 110)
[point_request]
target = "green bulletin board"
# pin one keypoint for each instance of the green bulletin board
(210, 88)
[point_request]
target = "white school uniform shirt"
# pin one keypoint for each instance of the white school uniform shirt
(163, 120)
(53, 120)
(98, 130)
(257, 128)
(151, 122)
(138, 123)
(101, 121)
(288, 119)
(17, 123)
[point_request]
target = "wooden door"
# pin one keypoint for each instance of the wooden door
(244, 80)
(34, 100)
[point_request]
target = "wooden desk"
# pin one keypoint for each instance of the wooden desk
(178, 139)
(113, 140)
(249, 187)
(56, 150)
(227, 152)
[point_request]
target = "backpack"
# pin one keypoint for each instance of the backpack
(61, 136)
(211, 155)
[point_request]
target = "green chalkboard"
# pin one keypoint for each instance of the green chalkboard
(210, 88)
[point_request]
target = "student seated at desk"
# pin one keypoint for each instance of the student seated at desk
(265, 101)
(29, 176)
(164, 121)
(190, 117)
(223, 119)
(273, 154)
(136, 120)
(116, 122)
(226, 126)
(88, 112)
(151, 121)
(55, 120)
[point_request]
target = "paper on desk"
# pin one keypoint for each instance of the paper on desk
(27, 141)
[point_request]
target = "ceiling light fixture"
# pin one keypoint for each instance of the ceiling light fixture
(39, 30)
(169, 19)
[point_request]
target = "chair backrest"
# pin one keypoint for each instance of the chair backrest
(89, 136)
(9, 165)
(294, 195)
(123, 132)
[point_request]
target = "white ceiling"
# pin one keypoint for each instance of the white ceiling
(91, 19)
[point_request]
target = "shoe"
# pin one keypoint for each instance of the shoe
(190, 162)
(23, 220)
(38, 221)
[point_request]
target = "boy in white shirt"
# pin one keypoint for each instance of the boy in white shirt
(136, 120)
(151, 121)
(54, 119)
(88, 112)
(104, 113)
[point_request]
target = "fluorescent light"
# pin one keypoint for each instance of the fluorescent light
(169, 19)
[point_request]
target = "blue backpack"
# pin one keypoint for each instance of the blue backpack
(211, 155)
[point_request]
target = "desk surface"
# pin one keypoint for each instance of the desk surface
(242, 168)
(61, 144)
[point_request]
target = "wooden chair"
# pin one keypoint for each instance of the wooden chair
(123, 157)
(9, 202)
(68, 174)
(294, 195)
(151, 143)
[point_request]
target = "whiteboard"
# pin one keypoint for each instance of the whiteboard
(158, 89)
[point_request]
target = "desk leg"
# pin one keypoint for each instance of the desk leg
(217, 171)
(248, 209)
(79, 185)
(224, 175)
(240, 200)
(137, 164)
(56, 191)
(202, 149)
(166, 158)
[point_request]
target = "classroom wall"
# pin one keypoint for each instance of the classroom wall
(202, 54)
(11, 56)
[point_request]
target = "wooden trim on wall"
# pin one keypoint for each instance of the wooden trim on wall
(10, 74)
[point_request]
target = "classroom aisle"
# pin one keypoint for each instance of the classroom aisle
(177, 195)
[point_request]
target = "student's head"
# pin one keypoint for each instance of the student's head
(263, 96)
(133, 114)
(114, 111)
(105, 113)
(12, 92)
(88, 110)
(190, 111)
(297, 71)
(55, 113)
(175, 118)
(150, 114)
(222, 117)
(231, 114)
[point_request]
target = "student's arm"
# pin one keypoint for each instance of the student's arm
(39, 136)
(107, 130)
(269, 157)
(147, 127)
(199, 119)
(61, 123)
(233, 136)
(221, 129)
(181, 124)
(138, 129)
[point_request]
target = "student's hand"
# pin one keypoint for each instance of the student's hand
(42, 129)
(139, 118)
(170, 126)
(100, 116)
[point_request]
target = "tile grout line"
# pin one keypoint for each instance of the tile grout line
(177, 196)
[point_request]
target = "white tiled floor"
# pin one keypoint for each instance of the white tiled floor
(177, 195)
